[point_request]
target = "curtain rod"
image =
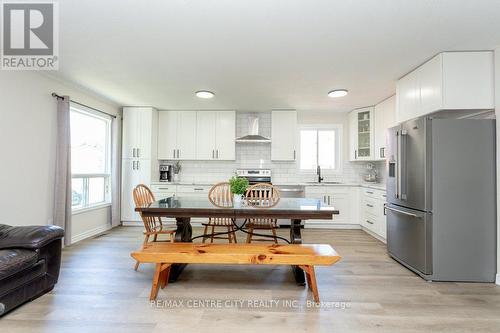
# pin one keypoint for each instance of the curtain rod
(72, 101)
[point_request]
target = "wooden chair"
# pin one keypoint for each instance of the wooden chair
(220, 196)
(153, 225)
(262, 195)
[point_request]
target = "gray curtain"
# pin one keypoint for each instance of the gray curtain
(116, 170)
(62, 192)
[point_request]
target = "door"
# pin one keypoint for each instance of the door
(283, 135)
(392, 167)
(413, 166)
(225, 135)
(186, 135)
(409, 237)
(364, 134)
(205, 135)
(383, 118)
(145, 133)
(167, 135)
(130, 143)
(353, 137)
(130, 179)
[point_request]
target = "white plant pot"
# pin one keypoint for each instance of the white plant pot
(237, 200)
(176, 177)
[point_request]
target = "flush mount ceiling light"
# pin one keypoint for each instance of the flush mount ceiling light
(204, 94)
(337, 93)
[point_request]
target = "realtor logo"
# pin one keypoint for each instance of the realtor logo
(29, 36)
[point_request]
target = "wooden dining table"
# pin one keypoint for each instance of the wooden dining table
(297, 210)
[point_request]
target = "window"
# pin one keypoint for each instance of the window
(320, 146)
(90, 158)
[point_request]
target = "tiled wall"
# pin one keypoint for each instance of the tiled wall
(258, 155)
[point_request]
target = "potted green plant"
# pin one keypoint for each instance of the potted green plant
(238, 187)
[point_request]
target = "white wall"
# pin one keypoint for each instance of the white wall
(497, 112)
(27, 146)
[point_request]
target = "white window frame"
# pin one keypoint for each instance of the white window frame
(74, 107)
(339, 137)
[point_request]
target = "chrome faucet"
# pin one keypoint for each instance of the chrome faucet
(318, 172)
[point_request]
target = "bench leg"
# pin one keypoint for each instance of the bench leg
(160, 278)
(154, 287)
(164, 275)
(311, 281)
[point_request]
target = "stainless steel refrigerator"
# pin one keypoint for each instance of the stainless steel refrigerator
(441, 193)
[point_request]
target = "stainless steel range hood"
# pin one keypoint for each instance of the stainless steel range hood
(253, 132)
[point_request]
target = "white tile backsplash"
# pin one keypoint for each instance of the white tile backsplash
(258, 155)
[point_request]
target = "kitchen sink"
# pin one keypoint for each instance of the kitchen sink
(326, 183)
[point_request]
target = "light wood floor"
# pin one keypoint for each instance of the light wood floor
(98, 291)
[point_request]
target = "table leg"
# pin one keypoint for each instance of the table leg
(183, 233)
(296, 238)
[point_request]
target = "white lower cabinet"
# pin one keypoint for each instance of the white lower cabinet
(134, 172)
(372, 209)
(343, 198)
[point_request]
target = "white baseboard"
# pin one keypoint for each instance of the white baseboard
(322, 225)
(498, 279)
(90, 233)
(371, 233)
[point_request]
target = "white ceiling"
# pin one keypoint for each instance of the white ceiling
(261, 54)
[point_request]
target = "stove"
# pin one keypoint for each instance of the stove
(255, 176)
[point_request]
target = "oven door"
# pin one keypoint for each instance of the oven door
(409, 237)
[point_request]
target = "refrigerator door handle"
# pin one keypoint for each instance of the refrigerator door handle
(402, 212)
(403, 169)
(398, 171)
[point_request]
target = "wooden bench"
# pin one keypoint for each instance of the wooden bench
(302, 255)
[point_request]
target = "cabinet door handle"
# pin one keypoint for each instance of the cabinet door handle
(138, 165)
(355, 154)
(133, 165)
(382, 152)
(163, 188)
(138, 152)
(294, 155)
(198, 189)
(328, 200)
(133, 152)
(368, 205)
(369, 221)
(369, 192)
(324, 199)
(178, 153)
(217, 154)
(213, 154)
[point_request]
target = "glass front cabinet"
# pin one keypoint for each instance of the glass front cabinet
(361, 134)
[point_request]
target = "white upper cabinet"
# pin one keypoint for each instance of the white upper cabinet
(283, 135)
(449, 81)
(139, 132)
(205, 135)
(361, 145)
(186, 135)
(215, 135)
(177, 135)
(225, 135)
(384, 116)
(167, 135)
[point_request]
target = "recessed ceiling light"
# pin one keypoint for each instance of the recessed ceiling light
(337, 93)
(204, 94)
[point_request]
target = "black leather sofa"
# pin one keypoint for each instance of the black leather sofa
(30, 258)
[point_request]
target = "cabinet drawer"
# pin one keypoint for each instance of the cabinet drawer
(370, 222)
(163, 188)
(370, 206)
(193, 189)
(375, 194)
(163, 195)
